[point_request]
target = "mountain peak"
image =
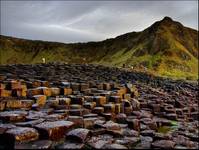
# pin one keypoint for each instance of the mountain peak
(166, 18)
(165, 22)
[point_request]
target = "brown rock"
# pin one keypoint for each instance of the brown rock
(67, 91)
(76, 112)
(29, 123)
(115, 99)
(64, 101)
(13, 104)
(27, 103)
(77, 120)
(5, 93)
(109, 108)
(55, 91)
(53, 130)
(98, 110)
(40, 99)
(133, 124)
(19, 134)
(89, 105)
(12, 116)
(100, 100)
(135, 104)
(2, 105)
(77, 100)
(54, 117)
(89, 122)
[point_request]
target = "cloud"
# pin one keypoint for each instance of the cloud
(80, 21)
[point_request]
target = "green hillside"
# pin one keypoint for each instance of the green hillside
(166, 48)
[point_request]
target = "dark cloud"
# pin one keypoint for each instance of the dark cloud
(79, 21)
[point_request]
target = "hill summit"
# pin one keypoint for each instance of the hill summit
(166, 48)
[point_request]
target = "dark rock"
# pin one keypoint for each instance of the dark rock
(110, 125)
(163, 144)
(79, 134)
(30, 123)
(97, 143)
(41, 144)
(69, 145)
(114, 146)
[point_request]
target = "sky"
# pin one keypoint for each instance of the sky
(82, 21)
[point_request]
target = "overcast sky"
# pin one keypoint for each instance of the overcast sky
(81, 21)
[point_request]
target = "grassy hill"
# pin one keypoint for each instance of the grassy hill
(166, 48)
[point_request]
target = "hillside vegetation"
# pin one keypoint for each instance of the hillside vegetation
(166, 48)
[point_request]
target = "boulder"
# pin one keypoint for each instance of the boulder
(100, 100)
(77, 120)
(163, 144)
(135, 104)
(55, 91)
(150, 123)
(5, 127)
(98, 110)
(66, 91)
(117, 108)
(40, 99)
(76, 112)
(27, 103)
(19, 134)
(133, 124)
(2, 105)
(89, 105)
(29, 123)
(109, 108)
(114, 146)
(84, 86)
(5, 93)
(110, 125)
(70, 145)
(12, 116)
(89, 122)
(64, 101)
(121, 118)
(77, 100)
(97, 143)
(75, 86)
(79, 134)
(54, 117)
(53, 130)
(13, 104)
(115, 99)
(34, 115)
(40, 144)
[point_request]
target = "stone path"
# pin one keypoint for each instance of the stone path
(77, 106)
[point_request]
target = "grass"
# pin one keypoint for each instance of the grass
(161, 52)
(164, 129)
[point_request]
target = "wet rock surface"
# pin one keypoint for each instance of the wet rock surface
(73, 106)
